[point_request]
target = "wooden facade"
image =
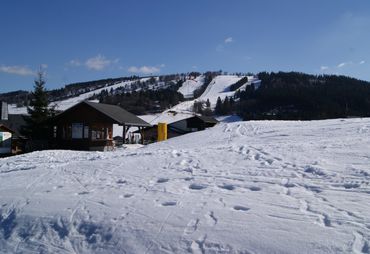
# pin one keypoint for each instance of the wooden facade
(89, 126)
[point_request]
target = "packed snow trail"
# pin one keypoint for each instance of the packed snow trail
(247, 187)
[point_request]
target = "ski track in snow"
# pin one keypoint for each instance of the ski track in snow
(245, 187)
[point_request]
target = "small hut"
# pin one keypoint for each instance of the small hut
(89, 126)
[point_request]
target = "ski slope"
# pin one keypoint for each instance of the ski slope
(246, 187)
(190, 85)
(219, 87)
(65, 104)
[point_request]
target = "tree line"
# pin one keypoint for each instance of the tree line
(299, 96)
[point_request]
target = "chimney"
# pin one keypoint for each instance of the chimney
(3, 110)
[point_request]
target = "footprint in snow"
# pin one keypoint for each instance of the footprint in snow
(241, 208)
(83, 193)
(227, 187)
(351, 185)
(175, 153)
(197, 186)
(162, 180)
(169, 203)
(254, 188)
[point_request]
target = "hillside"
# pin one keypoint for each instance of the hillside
(247, 187)
(218, 87)
(300, 96)
(266, 96)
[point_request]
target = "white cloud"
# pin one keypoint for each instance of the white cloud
(144, 69)
(341, 65)
(74, 63)
(98, 63)
(362, 62)
(17, 70)
(229, 40)
(324, 68)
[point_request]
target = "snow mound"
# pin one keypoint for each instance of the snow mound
(247, 187)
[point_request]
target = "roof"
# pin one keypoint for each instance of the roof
(205, 119)
(3, 127)
(170, 117)
(167, 117)
(208, 119)
(115, 113)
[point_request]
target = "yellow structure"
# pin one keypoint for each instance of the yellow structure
(162, 131)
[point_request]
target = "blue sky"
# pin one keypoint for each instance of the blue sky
(87, 40)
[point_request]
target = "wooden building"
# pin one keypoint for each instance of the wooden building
(89, 126)
(5, 140)
(187, 125)
(194, 123)
(15, 123)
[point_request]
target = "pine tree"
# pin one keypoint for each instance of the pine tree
(218, 108)
(226, 106)
(37, 121)
(208, 103)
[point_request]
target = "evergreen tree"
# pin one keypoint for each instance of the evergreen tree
(226, 106)
(218, 108)
(38, 119)
(208, 103)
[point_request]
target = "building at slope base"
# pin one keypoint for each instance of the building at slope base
(180, 127)
(89, 126)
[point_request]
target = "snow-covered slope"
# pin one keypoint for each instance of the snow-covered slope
(219, 87)
(65, 104)
(247, 187)
(190, 85)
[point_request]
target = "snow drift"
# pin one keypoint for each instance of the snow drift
(247, 187)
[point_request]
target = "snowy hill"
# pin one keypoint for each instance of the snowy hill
(218, 87)
(65, 104)
(247, 187)
(190, 85)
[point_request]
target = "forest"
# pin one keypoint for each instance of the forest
(299, 96)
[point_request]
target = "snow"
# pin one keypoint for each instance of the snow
(164, 117)
(219, 87)
(167, 116)
(243, 187)
(65, 104)
(190, 85)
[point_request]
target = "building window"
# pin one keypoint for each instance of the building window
(55, 131)
(77, 129)
(86, 132)
(97, 134)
